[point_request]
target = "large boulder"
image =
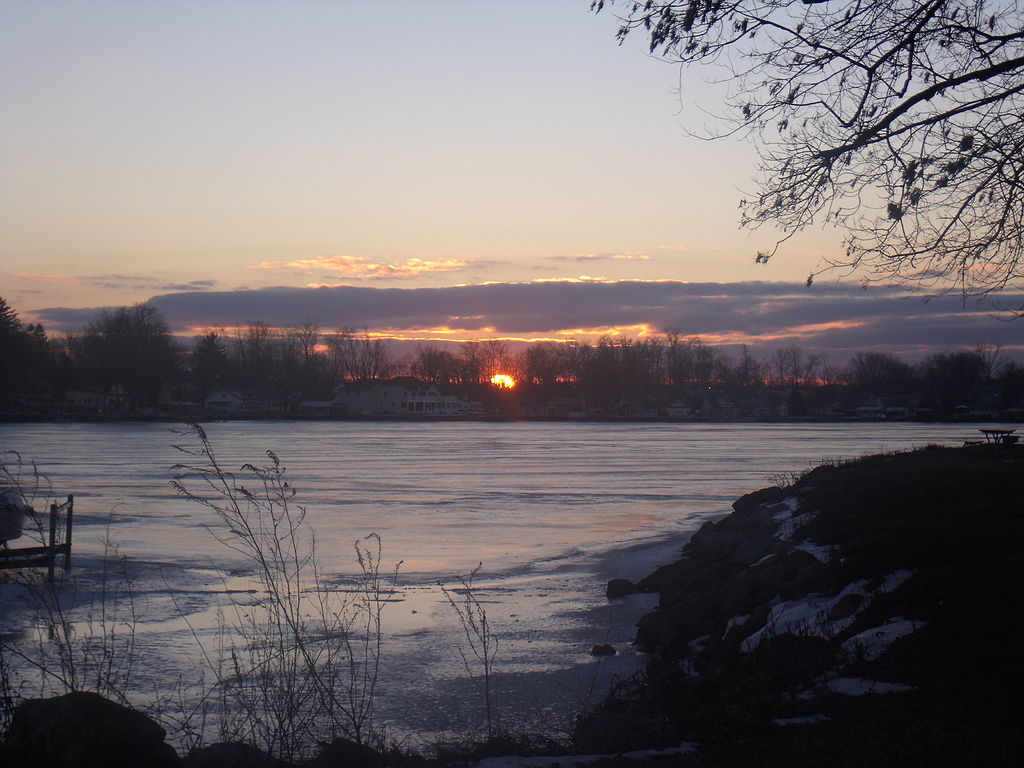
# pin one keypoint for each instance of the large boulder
(345, 753)
(229, 754)
(84, 730)
(619, 588)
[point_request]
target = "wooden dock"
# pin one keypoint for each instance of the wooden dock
(46, 554)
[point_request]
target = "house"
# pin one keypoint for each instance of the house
(400, 396)
(223, 404)
(678, 410)
(84, 400)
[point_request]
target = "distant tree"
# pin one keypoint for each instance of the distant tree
(952, 377)
(129, 348)
(254, 350)
(210, 363)
(1011, 385)
(14, 350)
(435, 365)
(991, 359)
(358, 356)
(538, 364)
(901, 122)
(494, 357)
(880, 372)
(471, 365)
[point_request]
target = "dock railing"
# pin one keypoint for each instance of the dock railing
(52, 545)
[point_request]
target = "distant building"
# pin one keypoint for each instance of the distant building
(400, 396)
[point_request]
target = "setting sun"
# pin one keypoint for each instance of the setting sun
(502, 380)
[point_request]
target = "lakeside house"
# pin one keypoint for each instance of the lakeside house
(400, 396)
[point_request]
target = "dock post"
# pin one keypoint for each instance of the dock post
(51, 558)
(67, 533)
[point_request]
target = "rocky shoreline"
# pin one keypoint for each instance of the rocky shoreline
(867, 614)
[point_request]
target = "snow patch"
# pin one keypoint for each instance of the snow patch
(858, 686)
(514, 761)
(699, 643)
(791, 616)
(895, 580)
(819, 552)
(808, 616)
(789, 526)
(735, 621)
(872, 643)
(807, 720)
(791, 504)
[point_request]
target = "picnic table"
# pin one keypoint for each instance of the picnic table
(999, 436)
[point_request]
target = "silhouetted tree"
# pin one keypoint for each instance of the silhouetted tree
(354, 356)
(24, 353)
(210, 363)
(538, 364)
(902, 122)
(880, 373)
(435, 365)
(129, 348)
(951, 377)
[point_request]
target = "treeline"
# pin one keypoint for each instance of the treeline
(129, 355)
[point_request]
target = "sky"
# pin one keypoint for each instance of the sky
(426, 170)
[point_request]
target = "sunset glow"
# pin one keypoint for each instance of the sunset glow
(503, 381)
(430, 231)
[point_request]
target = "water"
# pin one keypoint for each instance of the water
(551, 510)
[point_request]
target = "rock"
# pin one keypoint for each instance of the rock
(603, 650)
(753, 500)
(619, 588)
(84, 730)
(846, 607)
(756, 547)
(344, 753)
(230, 754)
(712, 542)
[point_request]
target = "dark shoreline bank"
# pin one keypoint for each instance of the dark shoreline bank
(865, 615)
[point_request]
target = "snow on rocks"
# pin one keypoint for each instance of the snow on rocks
(806, 720)
(640, 755)
(814, 616)
(857, 686)
(872, 643)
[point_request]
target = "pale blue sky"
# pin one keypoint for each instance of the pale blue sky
(150, 145)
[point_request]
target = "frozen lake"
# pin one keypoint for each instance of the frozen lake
(551, 510)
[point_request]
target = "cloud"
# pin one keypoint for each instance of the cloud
(621, 256)
(360, 268)
(117, 282)
(839, 318)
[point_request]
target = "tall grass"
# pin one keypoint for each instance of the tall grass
(306, 657)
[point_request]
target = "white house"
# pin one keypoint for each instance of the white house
(400, 396)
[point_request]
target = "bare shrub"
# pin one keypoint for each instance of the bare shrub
(78, 633)
(305, 658)
(481, 640)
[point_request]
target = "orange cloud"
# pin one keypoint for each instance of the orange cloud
(580, 279)
(638, 330)
(360, 268)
